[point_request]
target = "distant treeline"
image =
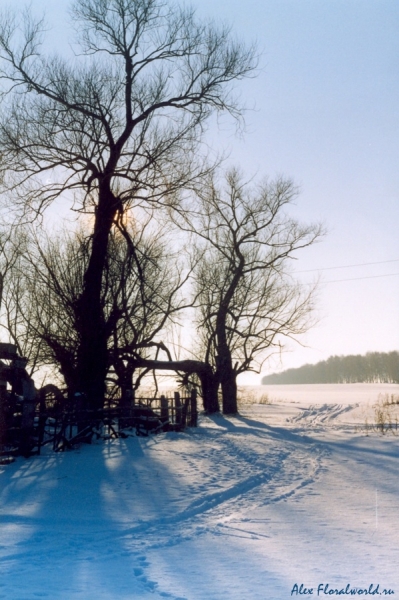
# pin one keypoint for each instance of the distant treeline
(374, 367)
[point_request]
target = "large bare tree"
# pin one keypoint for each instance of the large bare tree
(248, 301)
(116, 127)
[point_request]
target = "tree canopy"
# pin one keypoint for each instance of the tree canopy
(118, 128)
(248, 302)
(373, 367)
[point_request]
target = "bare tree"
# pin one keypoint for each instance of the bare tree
(117, 127)
(248, 302)
(144, 285)
(15, 303)
(140, 297)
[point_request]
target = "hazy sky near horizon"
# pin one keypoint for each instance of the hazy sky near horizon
(323, 110)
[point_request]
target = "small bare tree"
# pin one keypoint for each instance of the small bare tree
(248, 302)
(16, 309)
(119, 126)
(144, 287)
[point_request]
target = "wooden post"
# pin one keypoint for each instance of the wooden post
(184, 412)
(193, 409)
(125, 413)
(28, 416)
(164, 410)
(178, 409)
(3, 396)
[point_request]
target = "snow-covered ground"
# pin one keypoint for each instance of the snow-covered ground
(294, 492)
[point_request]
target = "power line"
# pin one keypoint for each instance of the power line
(381, 262)
(357, 278)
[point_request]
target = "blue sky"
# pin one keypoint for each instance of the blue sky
(324, 110)
(327, 115)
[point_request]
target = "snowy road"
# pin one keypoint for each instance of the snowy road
(241, 508)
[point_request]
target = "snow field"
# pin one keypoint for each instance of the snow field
(241, 508)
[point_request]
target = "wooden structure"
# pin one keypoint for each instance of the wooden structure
(31, 419)
(16, 408)
(170, 413)
(145, 416)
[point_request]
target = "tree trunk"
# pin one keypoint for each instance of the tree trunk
(229, 393)
(209, 381)
(228, 381)
(210, 384)
(92, 354)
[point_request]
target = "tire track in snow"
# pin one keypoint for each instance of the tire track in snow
(283, 479)
(325, 413)
(204, 504)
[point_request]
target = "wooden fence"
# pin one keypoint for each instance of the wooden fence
(175, 412)
(64, 428)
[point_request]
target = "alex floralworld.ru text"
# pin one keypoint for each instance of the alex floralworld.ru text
(327, 590)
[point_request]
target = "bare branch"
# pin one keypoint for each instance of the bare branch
(248, 301)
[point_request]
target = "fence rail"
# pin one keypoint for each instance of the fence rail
(31, 426)
(177, 411)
